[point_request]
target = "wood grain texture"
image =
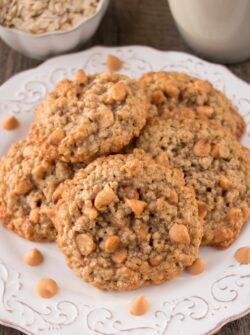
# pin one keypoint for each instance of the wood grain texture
(128, 22)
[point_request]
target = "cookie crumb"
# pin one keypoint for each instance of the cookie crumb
(46, 288)
(114, 63)
(139, 306)
(33, 257)
(197, 267)
(242, 255)
(10, 122)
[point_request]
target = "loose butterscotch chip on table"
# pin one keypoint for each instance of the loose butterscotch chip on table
(242, 255)
(89, 116)
(197, 267)
(139, 306)
(46, 288)
(10, 123)
(146, 229)
(114, 63)
(33, 257)
(213, 162)
(190, 96)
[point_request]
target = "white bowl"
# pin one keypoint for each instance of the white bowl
(42, 46)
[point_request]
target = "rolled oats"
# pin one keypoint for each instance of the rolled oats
(38, 17)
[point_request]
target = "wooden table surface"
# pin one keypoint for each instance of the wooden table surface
(127, 22)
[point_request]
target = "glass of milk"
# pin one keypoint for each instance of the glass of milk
(216, 29)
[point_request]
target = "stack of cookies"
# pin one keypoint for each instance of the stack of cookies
(129, 177)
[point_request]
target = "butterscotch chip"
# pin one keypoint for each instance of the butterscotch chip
(10, 123)
(23, 186)
(157, 259)
(118, 91)
(91, 212)
(85, 244)
(202, 148)
(242, 255)
(90, 116)
(34, 215)
(112, 243)
(57, 194)
(137, 206)
(202, 209)
(39, 172)
(225, 183)
(205, 111)
(171, 88)
(203, 85)
(234, 216)
(105, 197)
(56, 137)
(179, 233)
(46, 288)
(197, 267)
(33, 257)
(81, 77)
(183, 90)
(130, 232)
(142, 232)
(213, 162)
(172, 196)
(27, 184)
(220, 150)
(139, 306)
(119, 256)
(157, 97)
(114, 63)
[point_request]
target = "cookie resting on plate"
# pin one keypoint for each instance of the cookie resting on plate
(169, 91)
(89, 116)
(213, 162)
(28, 185)
(126, 222)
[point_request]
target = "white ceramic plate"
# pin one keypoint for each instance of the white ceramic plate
(190, 305)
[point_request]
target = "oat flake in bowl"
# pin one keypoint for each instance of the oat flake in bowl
(41, 33)
(38, 17)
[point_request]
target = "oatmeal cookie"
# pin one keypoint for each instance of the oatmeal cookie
(89, 116)
(214, 163)
(28, 186)
(125, 222)
(168, 91)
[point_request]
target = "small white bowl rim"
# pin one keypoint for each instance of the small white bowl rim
(53, 33)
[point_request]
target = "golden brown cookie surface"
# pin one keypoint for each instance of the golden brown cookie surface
(126, 222)
(27, 186)
(214, 163)
(89, 116)
(169, 91)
